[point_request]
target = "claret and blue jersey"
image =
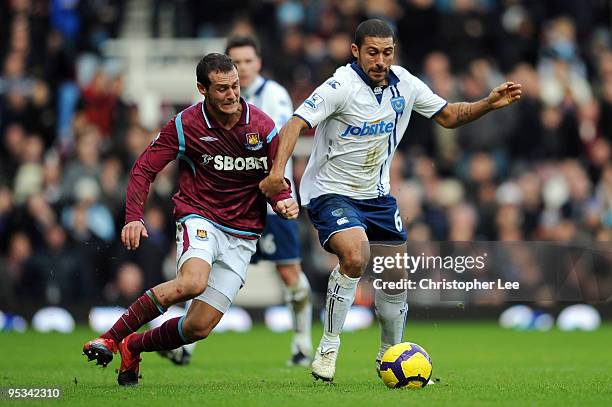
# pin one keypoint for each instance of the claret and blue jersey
(219, 169)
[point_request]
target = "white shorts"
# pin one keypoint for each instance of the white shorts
(229, 257)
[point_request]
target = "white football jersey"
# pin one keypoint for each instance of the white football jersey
(359, 129)
(275, 101)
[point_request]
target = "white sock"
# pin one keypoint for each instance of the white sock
(391, 310)
(341, 291)
(298, 300)
(190, 347)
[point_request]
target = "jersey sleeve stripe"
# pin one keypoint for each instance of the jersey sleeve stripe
(305, 121)
(272, 134)
(439, 110)
(181, 141)
(181, 136)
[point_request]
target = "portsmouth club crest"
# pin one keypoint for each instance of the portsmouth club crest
(398, 104)
(253, 141)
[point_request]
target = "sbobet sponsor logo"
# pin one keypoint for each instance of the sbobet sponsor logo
(373, 129)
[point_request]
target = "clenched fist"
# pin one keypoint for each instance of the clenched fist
(287, 208)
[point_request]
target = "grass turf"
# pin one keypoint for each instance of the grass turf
(477, 363)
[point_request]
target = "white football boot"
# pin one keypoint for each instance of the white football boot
(324, 364)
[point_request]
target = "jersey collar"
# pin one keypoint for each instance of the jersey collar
(211, 123)
(251, 90)
(392, 78)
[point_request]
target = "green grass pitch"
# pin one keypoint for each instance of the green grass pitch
(477, 363)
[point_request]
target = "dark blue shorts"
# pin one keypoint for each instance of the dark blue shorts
(279, 241)
(379, 217)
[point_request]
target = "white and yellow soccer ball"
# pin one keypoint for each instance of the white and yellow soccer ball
(405, 366)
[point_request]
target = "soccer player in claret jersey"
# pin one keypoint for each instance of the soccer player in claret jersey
(279, 241)
(362, 113)
(225, 147)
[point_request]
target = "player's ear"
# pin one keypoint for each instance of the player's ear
(201, 89)
(355, 50)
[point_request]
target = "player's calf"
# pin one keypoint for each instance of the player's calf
(200, 320)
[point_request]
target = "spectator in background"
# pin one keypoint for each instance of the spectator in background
(6, 209)
(57, 272)
(17, 262)
(560, 51)
(86, 163)
(98, 218)
(127, 286)
(98, 103)
(29, 177)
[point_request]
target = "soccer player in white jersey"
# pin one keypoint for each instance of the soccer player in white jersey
(361, 114)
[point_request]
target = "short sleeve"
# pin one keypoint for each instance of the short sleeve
(426, 102)
(324, 101)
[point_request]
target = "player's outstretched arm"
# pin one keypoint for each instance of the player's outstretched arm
(131, 233)
(274, 183)
(157, 155)
(458, 114)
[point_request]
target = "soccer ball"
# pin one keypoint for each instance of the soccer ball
(405, 366)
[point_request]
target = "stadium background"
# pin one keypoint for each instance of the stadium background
(84, 86)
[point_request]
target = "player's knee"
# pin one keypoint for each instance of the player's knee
(289, 273)
(354, 262)
(190, 288)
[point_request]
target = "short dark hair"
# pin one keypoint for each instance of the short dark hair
(242, 41)
(213, 62)
(373, 27)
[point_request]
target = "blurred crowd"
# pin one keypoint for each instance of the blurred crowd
(539, 170)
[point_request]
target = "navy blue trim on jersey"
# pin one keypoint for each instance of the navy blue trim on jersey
(393, 78)
(379, 97)
(439, 110)
(261, 88)
(360, 72)
(305, 121)
(178, 123)
(333, 213)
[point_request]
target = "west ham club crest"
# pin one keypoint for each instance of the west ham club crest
(253, 142)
